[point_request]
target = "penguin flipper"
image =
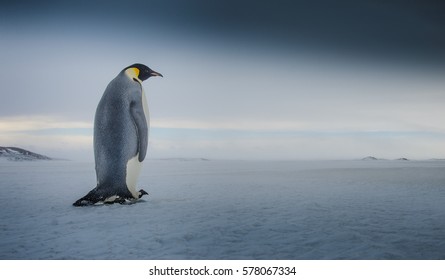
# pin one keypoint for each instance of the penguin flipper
(137, 112)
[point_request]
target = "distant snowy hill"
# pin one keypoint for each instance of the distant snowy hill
(18, 154)
(185, 159)
(370, 158)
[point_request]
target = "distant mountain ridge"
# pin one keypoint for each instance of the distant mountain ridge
(19, 154)
(184, 159)
(371, 158)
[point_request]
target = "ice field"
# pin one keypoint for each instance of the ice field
(199, 209)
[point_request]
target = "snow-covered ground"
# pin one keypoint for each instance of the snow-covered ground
(229, 210)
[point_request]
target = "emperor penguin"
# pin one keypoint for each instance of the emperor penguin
(121, 128)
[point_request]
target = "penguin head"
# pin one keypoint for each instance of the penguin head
(141, 72)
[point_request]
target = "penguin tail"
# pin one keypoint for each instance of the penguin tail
(90, 199)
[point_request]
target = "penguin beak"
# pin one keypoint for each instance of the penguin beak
(154, 73)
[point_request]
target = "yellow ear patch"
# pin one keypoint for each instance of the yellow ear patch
(133, 73)
(136, 71)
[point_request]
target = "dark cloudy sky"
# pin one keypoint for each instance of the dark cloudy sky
(243, 79)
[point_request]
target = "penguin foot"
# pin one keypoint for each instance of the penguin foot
(142, 193)
(114, 200)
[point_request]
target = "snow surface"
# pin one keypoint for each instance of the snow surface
(229, 210)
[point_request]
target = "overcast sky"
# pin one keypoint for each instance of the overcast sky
(242, 79)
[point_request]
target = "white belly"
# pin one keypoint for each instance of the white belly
(133, 165)
(133, 171)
